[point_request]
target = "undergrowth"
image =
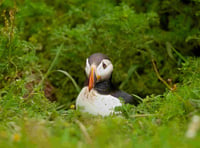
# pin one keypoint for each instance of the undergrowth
(159, 121)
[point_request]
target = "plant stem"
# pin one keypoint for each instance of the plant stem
(158, 75)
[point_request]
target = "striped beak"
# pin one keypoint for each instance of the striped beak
(92, 77)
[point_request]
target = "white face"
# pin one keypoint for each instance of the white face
(104, 69)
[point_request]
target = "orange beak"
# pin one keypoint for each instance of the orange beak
(92, 78)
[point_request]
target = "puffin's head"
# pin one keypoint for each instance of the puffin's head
(98, 68)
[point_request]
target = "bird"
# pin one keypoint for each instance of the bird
(99, 96)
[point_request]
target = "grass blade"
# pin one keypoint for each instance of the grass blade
(71, 78)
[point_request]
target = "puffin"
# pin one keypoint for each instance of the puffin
(99, 96)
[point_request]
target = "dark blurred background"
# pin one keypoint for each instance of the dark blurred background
(131, 32)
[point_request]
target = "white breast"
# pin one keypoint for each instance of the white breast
(95, 103)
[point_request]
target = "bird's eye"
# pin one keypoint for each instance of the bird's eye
(104, 65)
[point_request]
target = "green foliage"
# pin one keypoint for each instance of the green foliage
(41, 40)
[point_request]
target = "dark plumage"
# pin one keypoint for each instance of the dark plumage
(107, 88)
(96, 58)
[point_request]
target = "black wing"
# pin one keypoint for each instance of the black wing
(106, 87)
(127, 98)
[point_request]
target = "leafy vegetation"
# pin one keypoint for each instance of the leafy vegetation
(43, 47)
